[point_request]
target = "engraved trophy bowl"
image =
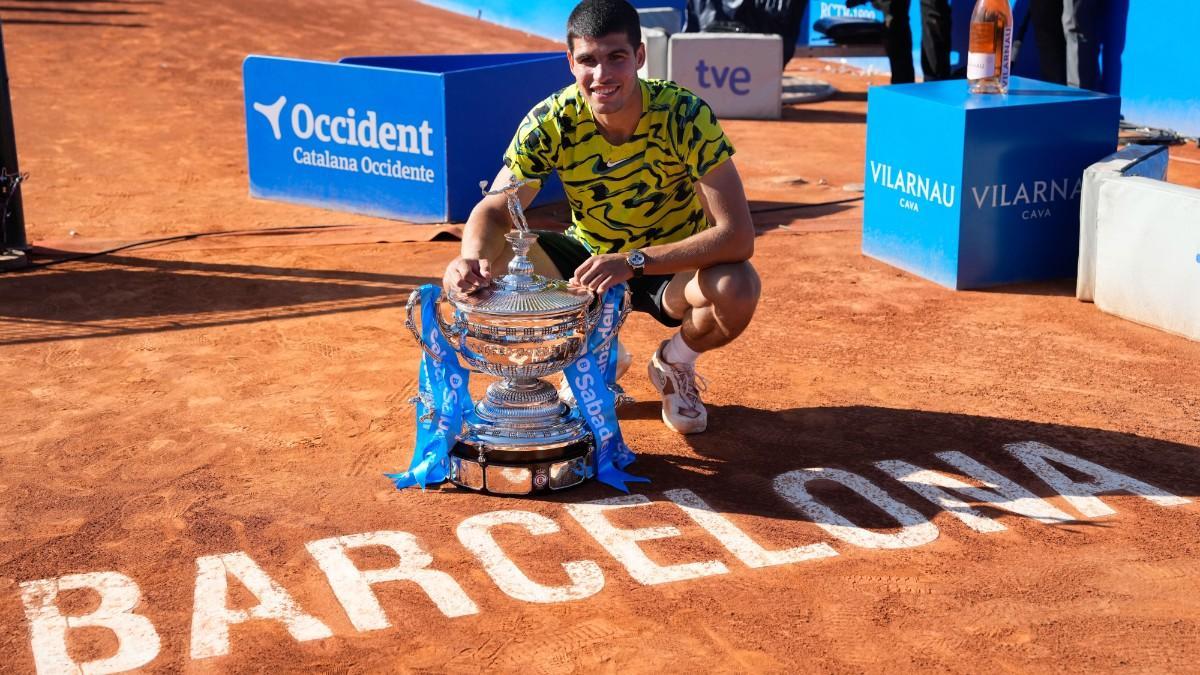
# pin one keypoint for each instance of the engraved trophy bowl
(520, 438)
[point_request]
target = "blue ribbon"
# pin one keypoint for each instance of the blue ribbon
(597, 404)
(443, 400)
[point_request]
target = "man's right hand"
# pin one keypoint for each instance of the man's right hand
(467, 275)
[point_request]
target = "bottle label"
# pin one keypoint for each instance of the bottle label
(981, 65)
(983, 37)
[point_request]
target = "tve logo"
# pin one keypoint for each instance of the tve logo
(723, 77)
(737, 74)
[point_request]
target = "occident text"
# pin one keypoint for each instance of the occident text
(390, 168)
(368, 132)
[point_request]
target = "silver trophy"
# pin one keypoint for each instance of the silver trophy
(520, 438)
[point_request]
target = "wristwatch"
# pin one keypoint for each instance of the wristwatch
(636, 261)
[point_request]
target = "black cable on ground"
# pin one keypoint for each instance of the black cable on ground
(145, 243)
(198, 235)
(789, 207)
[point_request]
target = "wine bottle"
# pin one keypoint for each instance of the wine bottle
(989, 52)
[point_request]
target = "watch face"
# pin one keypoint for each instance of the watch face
(637, 258)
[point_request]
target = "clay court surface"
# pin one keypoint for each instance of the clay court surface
(244, 394)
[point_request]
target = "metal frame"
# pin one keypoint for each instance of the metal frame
(13, 235)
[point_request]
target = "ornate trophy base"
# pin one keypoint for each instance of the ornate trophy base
(513, 475)
(520, 440)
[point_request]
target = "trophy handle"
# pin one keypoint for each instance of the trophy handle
(411, 322)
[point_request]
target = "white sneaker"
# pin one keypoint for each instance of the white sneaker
(624, 360)
(682, 410)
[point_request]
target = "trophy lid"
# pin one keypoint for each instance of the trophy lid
(525, 297)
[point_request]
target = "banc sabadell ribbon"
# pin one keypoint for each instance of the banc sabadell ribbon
(444, 400)
(596, 404)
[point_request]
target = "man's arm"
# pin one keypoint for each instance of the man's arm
(483, 237)
(729, 240)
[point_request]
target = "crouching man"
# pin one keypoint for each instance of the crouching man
(655, 198)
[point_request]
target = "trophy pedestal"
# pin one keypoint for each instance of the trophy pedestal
(520, 440)
(517, 472)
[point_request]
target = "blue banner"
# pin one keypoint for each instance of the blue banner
(442, 401)
(399, 136)
(354, 138)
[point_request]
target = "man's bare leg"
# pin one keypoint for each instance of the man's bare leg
(715, 304)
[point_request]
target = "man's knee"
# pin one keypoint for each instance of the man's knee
(732, 285)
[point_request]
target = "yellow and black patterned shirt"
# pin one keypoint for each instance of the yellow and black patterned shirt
(632, 195)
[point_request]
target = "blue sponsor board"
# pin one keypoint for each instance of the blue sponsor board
(836, 9)
(971, 190)
(406, 137)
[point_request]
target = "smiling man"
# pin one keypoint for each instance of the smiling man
(655, 201)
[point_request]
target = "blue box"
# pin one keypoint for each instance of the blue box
(977, 190)
(405, 137)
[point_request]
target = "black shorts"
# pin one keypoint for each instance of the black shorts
(568, 254)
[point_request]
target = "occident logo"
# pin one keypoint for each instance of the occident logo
(349, 129)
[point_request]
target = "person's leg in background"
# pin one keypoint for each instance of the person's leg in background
(935, 39)
(897, 39)
(1047, 19)
(1082, 21)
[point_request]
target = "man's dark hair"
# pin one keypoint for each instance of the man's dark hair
(597, 18)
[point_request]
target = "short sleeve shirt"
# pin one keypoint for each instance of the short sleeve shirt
(628, 196)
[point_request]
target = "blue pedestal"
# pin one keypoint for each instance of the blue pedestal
(980, 190)
(406, 137)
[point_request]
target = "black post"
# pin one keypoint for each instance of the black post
(14, 222)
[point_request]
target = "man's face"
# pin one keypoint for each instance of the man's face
(605, 69)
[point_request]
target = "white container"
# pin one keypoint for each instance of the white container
(656, 54)
(1147, 161)
(1148, 254)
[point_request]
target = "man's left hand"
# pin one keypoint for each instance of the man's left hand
(602, 272)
